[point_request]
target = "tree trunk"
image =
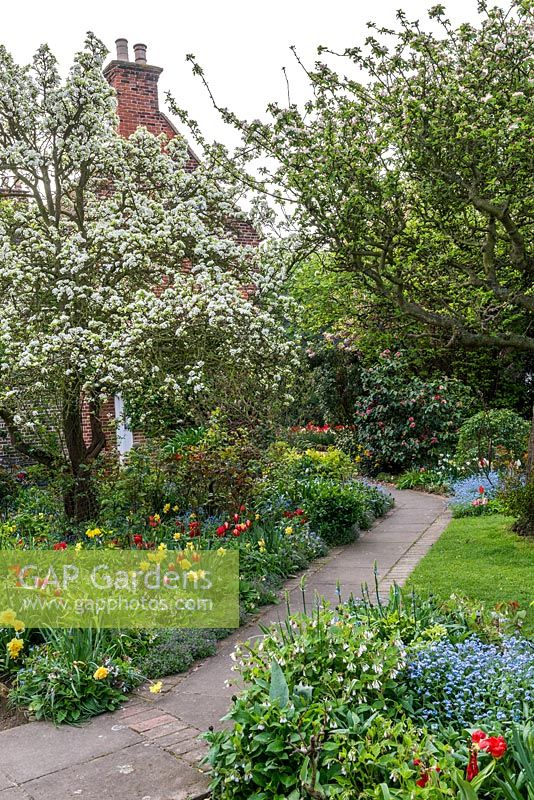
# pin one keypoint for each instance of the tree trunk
(79, 496)
(524, 524)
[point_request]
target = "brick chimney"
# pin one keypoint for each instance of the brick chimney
(136, 84)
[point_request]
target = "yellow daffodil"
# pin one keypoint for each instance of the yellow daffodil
(289, 530)
(162, 546)
(93, 532)
(100, 673)
(7, 618)
(78, 546)
(257, 517)
(19, 626)
(192, 575)
(156, 518)
(14, 647)
(156, 687)
(184, 563)
(175, 508)
(221, 551)
(177, 536)
(144, 565)
(166, 508)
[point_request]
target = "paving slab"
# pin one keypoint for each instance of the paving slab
(15, 793)
(140, 772)
(39, 747)
(5, 782)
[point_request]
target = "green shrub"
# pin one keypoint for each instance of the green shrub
(404, 421)
(286, 464)
(495, 437)
(74, 675)
(337, 511)
(214, 467)
(518, 500)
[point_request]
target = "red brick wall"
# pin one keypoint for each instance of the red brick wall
(136, 86)
(138, 101)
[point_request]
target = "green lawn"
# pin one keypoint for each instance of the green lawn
(481, 558)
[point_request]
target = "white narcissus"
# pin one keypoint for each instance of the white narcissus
(105, 221)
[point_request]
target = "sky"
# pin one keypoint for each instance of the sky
(241, 44)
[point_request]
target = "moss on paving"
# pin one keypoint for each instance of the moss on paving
(481, 558)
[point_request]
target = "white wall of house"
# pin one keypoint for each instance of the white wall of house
(124, 434)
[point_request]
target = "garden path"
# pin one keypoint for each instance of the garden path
(149, 750)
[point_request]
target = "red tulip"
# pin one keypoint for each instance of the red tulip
(494, 745)
(472, 767)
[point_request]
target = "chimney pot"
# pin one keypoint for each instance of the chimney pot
(122, 49)
(140, 53)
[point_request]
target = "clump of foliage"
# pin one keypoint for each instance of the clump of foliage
(405, 421)
(74, 675)
(8, 489)
(427, 480)
(493, 438)
(171, 651)
(518, 500)
(338, 511)
(328, 709)
(286, 465)
(213, 467)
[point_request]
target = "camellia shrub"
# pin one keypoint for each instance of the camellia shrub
(403, 421)
(491, 438)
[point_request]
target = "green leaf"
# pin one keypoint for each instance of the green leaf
(278, 690)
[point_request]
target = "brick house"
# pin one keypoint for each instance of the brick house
(136, 85)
